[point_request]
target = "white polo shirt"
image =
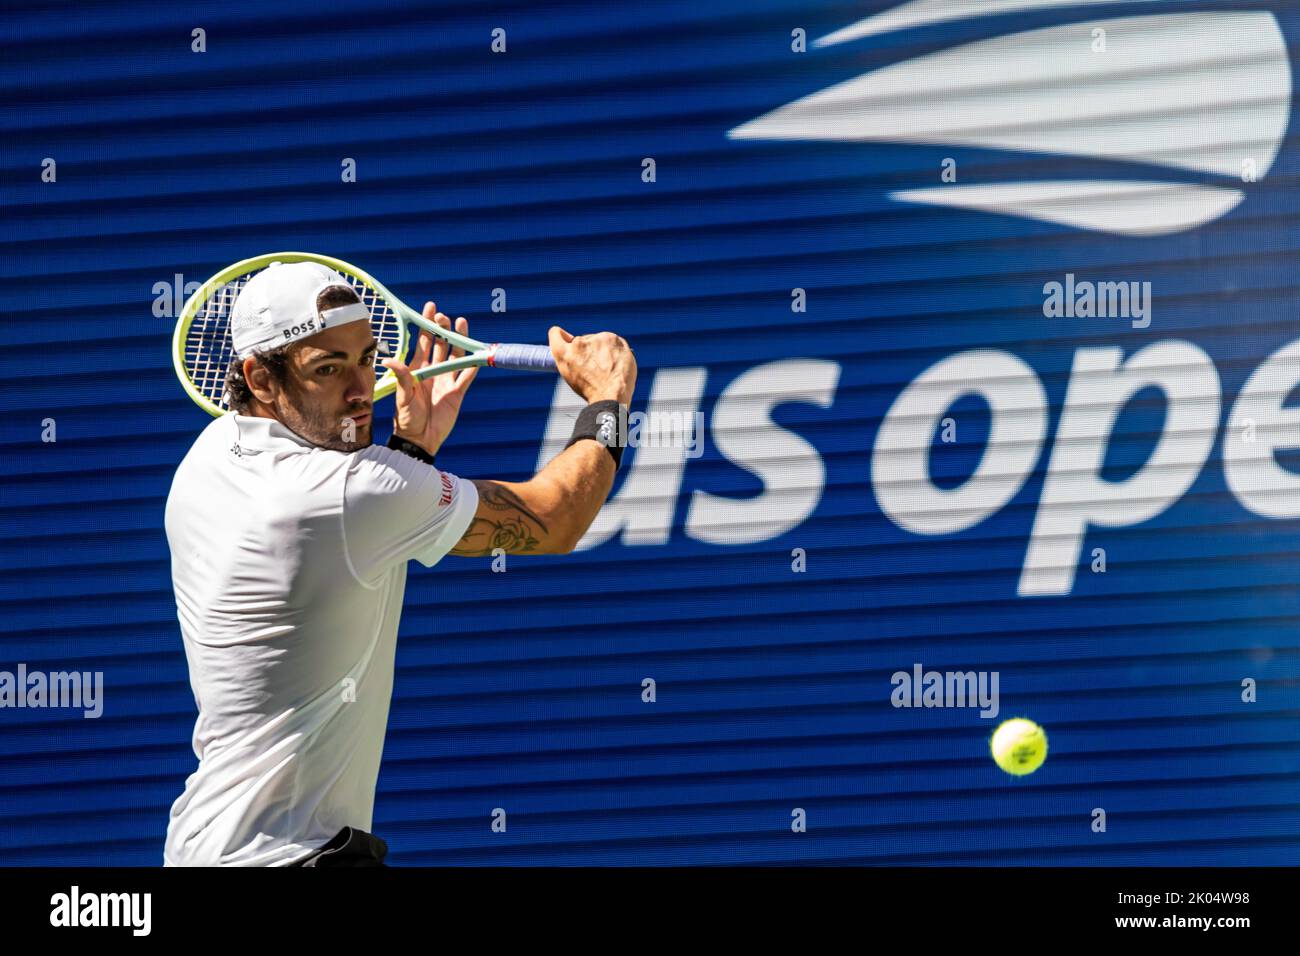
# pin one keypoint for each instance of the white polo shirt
(289, 567)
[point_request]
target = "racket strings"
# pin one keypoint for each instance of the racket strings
(209, 349)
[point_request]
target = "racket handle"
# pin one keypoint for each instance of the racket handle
(523, 358)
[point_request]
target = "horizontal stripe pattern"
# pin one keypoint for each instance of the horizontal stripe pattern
(522, 690)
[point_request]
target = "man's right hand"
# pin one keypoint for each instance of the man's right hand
(549, 513)
(597, 367)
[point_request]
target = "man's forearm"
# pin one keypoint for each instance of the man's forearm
(549, 513)
(580, 479)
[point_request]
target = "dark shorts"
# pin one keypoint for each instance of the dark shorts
(348, 847)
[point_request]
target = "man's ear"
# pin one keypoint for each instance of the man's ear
(259, 381)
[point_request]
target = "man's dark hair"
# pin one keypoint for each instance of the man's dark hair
(238, 395)
(276, 361)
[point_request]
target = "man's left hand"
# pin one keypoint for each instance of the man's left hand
(427, 410)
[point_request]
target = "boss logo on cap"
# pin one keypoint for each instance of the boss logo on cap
(309, 326)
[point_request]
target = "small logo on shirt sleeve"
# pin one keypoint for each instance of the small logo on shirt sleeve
(446, 489)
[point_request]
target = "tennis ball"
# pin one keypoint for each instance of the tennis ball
(1019, 746)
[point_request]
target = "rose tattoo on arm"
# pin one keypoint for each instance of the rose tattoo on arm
(515, 530)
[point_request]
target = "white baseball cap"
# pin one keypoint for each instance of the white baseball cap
(278, 306)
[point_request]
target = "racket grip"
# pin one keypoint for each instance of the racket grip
(524, 358)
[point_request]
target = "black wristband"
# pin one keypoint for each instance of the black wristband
(409, 448)
(606, 422)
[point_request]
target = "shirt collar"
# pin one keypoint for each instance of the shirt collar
(265, 433)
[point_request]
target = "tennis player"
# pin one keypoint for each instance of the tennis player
(290, 533)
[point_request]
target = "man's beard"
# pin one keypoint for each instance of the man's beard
(322, 428)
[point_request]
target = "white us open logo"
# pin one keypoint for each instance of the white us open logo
(1203, 92)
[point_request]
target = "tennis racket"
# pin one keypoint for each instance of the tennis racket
(202, 347)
